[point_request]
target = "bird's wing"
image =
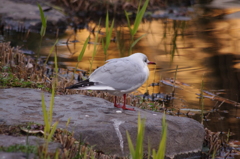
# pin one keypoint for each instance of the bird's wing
(120, 74)
(87, 85)
(81, 84)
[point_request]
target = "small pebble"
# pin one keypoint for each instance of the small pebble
(118, 111)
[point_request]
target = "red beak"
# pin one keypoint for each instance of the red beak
(150, 62)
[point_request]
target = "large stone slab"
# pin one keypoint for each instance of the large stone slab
(7, 141)
(98, 123)
(16, 155)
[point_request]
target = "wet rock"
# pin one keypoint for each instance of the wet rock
(15, 155)
(98, 123)
(7, 141)
(23, 16)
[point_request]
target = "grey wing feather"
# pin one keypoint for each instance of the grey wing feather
(119, 74)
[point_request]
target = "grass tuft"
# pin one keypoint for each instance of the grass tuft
(137, 153)
(133, 30)
(107, 39)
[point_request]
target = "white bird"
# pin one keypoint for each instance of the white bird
(118, 76)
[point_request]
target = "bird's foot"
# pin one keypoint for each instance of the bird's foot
(118, 105)
(123, 107)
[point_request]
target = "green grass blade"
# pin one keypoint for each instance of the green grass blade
(43, 20)
(130, 145)
(107, 41)
(68, 121)
(85, 154)
(95, 47)
(138, 152)
(108, 35)
(55, 63)
(56, 154)
(51, 51)
(54, 82)
(175, 77)
(128, 22)
(107, 22)
(51, 102)
(43, 31)
(139, 6)
(140, 137)
(201, 100)
(54, 127)
(45, 115)
(80, 56)
(154, 154)
(149, 149)
(104, 47)
(136, 41)
(162, 146)
(94, 50)
(139, 17)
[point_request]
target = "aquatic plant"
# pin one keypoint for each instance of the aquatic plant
(137, 21)
(201, 100)
(174, 82)
(43, 27)
(43, 20)
(120, 41)
(94, 51)
(51, 51)
(106, 41)
(80, 56)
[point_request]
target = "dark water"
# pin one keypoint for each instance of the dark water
(207, 48)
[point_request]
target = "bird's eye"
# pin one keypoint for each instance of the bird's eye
(145, 60)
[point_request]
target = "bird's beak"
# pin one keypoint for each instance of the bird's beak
(150, 62)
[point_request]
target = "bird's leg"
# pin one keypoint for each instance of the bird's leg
(115, 103)
(124, 104)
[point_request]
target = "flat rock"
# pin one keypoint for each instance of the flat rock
(7, 141)
(16, 155)
(98, 123)
(18, 14)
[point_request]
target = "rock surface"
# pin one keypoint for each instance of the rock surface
(98, 123)
(7, 141)
(15, 14)
(15, 155)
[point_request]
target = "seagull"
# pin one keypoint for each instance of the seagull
(118, 76)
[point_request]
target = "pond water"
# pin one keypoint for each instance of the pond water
(205, 48)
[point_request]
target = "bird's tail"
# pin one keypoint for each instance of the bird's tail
(84, 83)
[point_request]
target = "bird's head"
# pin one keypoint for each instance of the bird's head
(142, 57)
